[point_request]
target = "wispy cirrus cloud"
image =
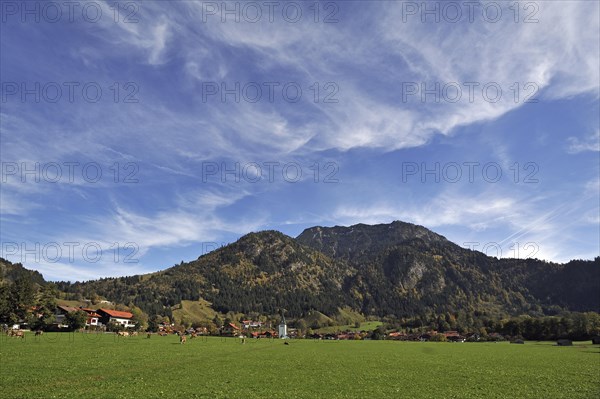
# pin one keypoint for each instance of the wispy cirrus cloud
(375, 62)
(588, 143)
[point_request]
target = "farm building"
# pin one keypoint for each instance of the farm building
(396, 335)
(264, 334)
(454, 336)
(61, 312)
(252, 324)
(93, 317)
(115, 316)
(230, 329)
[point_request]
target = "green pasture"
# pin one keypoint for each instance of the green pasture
(63, 365)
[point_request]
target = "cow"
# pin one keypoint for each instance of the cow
(134, 333)
(182, 339)
(17, 333)
(122, 334)
(39, 332)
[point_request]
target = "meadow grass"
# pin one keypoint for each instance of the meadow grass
(102, 366)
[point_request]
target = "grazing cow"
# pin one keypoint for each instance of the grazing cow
(134, 333)
(123, 334)
(149, 335)
(17, 333)
(39, 332)
(182, 339)
(193, 335)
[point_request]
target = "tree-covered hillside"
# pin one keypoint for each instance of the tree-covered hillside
(397, 270)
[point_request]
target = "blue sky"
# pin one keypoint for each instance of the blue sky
(131, 141)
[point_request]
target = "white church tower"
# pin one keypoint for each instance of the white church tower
(282, 327)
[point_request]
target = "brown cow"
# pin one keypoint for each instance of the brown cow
(182, 339)
(18, 333)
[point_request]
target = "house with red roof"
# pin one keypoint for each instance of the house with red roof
(116, 316)
(92, 317)
(397, 335)
(230, 329)
(454, 336)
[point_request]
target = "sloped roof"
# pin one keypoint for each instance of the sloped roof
(90, 312)
(68, 309)
(117, 313)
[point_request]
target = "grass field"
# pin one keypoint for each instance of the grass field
(102, 366)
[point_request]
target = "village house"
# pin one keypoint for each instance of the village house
(202, 331)
(454, 336)
(397, 335)
(92, 317)
(230, 329)
(166, 326)
(263, 334)
(61, 313)
(116, 316)
(251, 324)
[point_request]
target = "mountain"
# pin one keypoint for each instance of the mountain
(399, 270)
(11, 272)
(261, 272)
(361, 241)
(405, 269)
